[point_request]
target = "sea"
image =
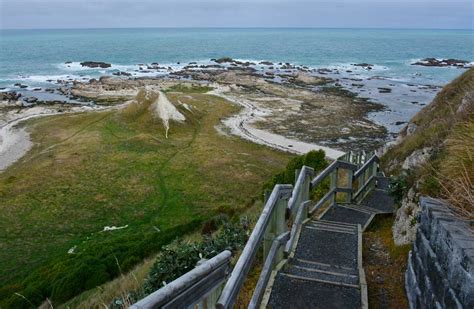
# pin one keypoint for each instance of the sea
(39, 58)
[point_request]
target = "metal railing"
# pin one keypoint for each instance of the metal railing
(286, 206)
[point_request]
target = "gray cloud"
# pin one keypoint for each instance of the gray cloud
(233, 13)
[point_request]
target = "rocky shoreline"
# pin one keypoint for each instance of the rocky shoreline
(301, 106)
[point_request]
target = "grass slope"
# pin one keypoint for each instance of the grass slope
(116, 168)
(446, 128)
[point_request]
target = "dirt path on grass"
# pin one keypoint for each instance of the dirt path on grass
(241, 125)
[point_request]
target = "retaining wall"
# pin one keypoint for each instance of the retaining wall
(440, 271)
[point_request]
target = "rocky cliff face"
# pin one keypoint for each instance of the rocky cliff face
(432, 153)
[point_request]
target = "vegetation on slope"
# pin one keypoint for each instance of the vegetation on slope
(116, 168)
(445, 129)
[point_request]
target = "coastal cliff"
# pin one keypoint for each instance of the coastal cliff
(433, 156)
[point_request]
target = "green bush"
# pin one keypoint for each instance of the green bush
(314, 159)
(398, 188)
(176, 260)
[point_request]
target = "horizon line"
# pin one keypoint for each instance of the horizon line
(231, 27)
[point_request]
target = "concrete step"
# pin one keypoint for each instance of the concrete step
(327, 276)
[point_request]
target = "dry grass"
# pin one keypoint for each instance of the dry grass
(456, 173)
(385, 265)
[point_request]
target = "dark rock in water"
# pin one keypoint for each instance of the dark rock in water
(363, 64)
(400, 123)
(384, 90)
(154, 63)
(414, 102)
(120, 73)
(20, 85)
(433, 62)
(224, 60)
(30, 99)
(9, 96)
(68, 62)
(266, 63)
(37, 89)
(95, 64)
(215, 66)
(348, 71)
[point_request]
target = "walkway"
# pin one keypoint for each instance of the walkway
(325, 270)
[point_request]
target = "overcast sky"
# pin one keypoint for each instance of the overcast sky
(32, 14)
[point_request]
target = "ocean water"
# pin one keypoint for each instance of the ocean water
(32, 57)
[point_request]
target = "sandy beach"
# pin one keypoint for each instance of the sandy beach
(241, 125)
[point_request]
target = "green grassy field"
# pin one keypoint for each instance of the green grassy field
(116, 168)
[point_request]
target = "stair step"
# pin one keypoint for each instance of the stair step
(328, 246)
(382, 182)
(323, 275)
(329, 229)
(323, 267)
(332, 228)
(363, 209)
(320, 280)
(336, 225)
(289, 292)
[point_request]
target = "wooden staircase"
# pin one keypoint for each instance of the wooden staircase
(312, 250)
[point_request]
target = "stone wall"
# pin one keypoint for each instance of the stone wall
(440, 271)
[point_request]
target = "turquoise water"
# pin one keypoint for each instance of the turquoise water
(32, 55)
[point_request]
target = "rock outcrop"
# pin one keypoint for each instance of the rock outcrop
(433, 62)
(95, 64)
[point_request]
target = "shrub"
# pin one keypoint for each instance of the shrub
(175, 260)
(314, 159)
(398, 188)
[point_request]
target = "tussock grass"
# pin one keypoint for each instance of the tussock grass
(456, 173)
(446, 126)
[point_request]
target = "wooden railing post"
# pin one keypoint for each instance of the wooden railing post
(334, 185)
(350, 175)
(276, 227)
(297, 174)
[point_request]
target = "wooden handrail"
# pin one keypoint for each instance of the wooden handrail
(267, 270)
(301, 214)
(241, 269)
(366, 165)
(301, 188)
(190, 287)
